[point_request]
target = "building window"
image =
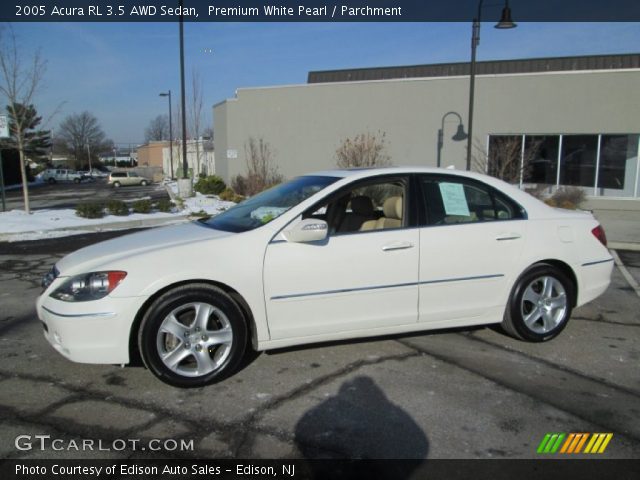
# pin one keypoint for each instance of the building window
(603, 165)
(504, 161)
(578, 160)
(541, 159)
(617, 165)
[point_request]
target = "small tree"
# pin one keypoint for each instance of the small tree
(504, 160)
(36, 143)
(19, 82)
(158, 129)
(363, 150)
(262, 173)
(79, 130)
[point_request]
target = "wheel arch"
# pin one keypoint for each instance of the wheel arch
(134, 353)
(564, 268)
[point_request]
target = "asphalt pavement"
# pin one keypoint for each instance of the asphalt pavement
(470, 393)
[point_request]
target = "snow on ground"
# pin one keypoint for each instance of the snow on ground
(16, 225)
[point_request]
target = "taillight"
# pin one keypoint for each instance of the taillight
(598, 232)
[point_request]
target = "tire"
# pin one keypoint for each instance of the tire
(116, 184)
(540, 304)
(144, 183)
(76, 180)
(51, 181)
(186, 351)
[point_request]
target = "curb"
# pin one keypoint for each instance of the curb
(146, 222)
(624, 246)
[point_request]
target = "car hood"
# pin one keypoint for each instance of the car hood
(101, 254)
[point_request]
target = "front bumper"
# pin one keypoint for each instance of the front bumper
(89, 332)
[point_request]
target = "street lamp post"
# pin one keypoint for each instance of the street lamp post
(504, 23)
(89, 156)
(457, 137)
(168, 94)
(185, 164)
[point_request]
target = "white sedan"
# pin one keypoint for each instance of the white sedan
(327, 256)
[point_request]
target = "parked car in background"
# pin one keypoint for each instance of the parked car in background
(327, 256)
(123, 178)
(53, 175)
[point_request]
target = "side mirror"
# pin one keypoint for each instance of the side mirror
(307, 230)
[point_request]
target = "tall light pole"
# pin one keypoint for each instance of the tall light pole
(504, 23)
(457, 137)
(182, 97)
(89, 156)
(168, 94)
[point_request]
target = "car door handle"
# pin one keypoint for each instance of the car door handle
(397, 246)
(508, 236)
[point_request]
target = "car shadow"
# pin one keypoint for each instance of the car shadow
(360, 422)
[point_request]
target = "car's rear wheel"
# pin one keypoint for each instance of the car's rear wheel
(192, 336)
(52, 181)
(540, 304)
(116, 184)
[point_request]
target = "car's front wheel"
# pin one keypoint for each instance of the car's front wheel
(192, 336)
(540, 304)
(143, 183)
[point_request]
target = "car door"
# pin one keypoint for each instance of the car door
(469, 246)
(357, 280)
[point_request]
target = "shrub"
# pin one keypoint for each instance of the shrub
(211, 185)
(142, 206)
(164, 205)
(117, 207)
(90, 210)
(567, 197)
(228, 195)
(200, 213)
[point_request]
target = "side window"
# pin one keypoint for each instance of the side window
(451, 200)
(365, 207)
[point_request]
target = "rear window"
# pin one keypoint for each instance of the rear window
(118, 174)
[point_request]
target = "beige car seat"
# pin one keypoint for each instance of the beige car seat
(392, 209)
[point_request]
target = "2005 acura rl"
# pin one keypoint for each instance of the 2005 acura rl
(333, 255)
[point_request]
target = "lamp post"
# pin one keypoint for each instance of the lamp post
(182, 96)
(168, 94)
(504, 23)
(89, 157)
(457, 137)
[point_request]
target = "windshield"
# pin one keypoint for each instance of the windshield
(264, 207)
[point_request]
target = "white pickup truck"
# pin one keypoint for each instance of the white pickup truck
(53, 175)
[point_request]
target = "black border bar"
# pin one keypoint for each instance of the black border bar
(583, 469)
(316, 10)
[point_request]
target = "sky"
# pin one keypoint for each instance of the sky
(116, 70)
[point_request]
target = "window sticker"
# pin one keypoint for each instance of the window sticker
(454, 199)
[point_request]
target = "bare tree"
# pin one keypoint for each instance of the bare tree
(158, 129)
(195, 112)
(363, 150)
(262, 172)
(20, 81)
(505, 159)
(79, 131)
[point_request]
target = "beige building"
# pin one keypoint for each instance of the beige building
(581, 113)
(150, 154)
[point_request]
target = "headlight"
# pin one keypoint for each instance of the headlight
(88, 286)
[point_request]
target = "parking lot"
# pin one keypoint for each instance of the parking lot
(69, 194)
(450, 394)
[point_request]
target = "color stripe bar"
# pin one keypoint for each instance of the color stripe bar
(543, 443)
(606, 441)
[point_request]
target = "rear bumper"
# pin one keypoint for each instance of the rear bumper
(595, 278)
